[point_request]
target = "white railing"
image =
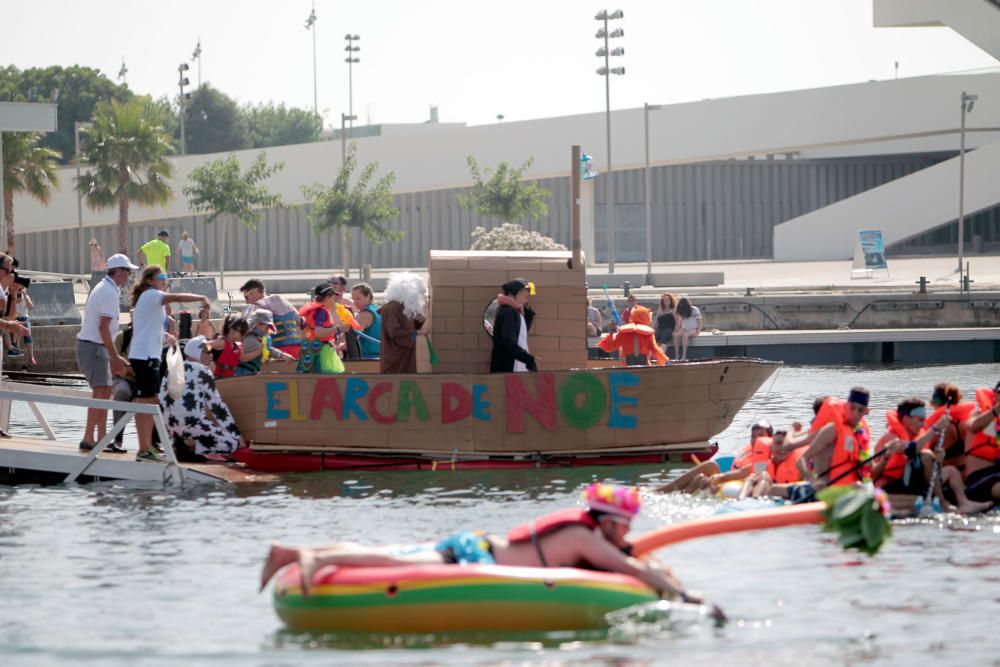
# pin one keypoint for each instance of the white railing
(34, 395)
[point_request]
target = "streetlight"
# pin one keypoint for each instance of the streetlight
(123, 71)
(646, 108)
(196, 55)
(968, 101)
(350, 60)
(344, 119)
(606, 72)
(181, 82)
(311, 23)
(77, 126)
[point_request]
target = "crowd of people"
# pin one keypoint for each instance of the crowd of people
(943, 450)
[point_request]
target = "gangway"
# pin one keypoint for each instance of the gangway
(27, 457)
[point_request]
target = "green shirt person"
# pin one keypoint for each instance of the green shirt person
(157, 251)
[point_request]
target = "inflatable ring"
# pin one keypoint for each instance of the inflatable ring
(454, 598)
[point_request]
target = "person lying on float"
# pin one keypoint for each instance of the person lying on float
(592, 537)
(636, 340)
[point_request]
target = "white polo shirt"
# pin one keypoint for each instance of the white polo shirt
(102, 302)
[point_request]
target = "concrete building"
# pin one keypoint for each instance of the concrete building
(789, 175)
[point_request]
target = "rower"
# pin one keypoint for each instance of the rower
(982, 452)
(592, 537)
(707, 475)
(906, 472)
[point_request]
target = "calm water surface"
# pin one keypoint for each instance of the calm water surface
(108, 574)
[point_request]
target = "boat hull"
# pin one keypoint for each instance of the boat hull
(522, 418)
(454, 598)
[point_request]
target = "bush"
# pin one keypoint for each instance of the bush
(511, 236)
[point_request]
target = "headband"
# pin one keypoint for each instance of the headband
(919, 411)
(859, 397)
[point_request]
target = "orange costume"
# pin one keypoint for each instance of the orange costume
(636, 340)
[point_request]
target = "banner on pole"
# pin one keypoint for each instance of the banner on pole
(869, 252)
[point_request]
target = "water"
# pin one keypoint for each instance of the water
(112, 574)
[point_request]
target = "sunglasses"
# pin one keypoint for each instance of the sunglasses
(625, 521)
(161, 276)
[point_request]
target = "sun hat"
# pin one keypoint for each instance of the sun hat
(120, 261)
(261, 316)
(194, 347)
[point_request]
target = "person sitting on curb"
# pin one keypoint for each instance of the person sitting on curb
(199, 419)
(592, 537)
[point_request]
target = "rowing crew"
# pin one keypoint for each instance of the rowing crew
(949, 454)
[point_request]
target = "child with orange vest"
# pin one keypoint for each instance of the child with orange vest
(982, 452)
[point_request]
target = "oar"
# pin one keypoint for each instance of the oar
(430, 350)
(611, 304)
(927, 507)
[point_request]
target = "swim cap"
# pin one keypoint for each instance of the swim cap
(612, 499)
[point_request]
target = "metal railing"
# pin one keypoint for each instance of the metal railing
(34, 395)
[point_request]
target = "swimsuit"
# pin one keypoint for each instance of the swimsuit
(465, 548)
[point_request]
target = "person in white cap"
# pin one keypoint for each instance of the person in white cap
(96, 355)
(199, 418)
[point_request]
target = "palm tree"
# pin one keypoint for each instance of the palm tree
(126, 148)
(27, 167)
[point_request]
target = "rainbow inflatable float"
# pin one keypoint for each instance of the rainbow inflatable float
(450, 598)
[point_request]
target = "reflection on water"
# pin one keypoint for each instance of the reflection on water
(119, 574)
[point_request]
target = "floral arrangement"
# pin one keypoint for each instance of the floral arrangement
(511, 236)
(860, 516)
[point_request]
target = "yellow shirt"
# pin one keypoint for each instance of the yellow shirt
(156, 252)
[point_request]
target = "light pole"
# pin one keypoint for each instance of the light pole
(196, 55)
(77, 126)
(351, 49)
(181, 82)
(123, 71)
(344, 119)
(606, 72)
(646, 108)
(311, 24)
(968, 101)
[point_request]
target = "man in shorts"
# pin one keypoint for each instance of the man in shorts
(96, 354)
(157, 251)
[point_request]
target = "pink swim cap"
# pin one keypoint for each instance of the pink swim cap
(613, 499)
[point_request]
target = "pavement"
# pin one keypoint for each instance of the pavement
(760, 275)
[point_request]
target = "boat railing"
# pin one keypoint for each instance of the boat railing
(35, 395)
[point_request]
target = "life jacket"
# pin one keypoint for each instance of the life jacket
(252, 367)
(758, 451)
(786, 472)
(984, 444)
(958, 413)
(534, 530)
(848, 446)
(895, 465)
(308, 314)
(637, 342)
(229, 359)
(287, 332)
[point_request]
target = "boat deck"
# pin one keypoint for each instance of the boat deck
(41, 460)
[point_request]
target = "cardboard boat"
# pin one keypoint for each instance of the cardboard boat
(456, 414)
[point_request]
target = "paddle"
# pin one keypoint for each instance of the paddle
(611, 304)
(928, 507)
(430, 350)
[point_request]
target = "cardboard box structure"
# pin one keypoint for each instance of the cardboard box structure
(463, 284)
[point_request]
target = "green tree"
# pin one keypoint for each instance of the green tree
(79, 90)
(220, 189)
(214, 123)
(363, 207)
(125, 152)
(278, 125)
(504, 194)
(27, 167)
(169, 113)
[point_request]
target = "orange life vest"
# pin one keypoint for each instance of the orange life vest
(984, 445)
(786, 472)
(958, 413)
(550, 523)
(638, 340)
(758, 451)
(308, 314)
(895, 465)
(849, 444)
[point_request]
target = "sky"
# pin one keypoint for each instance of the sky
(476, 59)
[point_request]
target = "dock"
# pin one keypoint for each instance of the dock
(956, 345)
(25, 459)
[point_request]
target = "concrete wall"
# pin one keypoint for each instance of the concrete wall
(976, 20)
